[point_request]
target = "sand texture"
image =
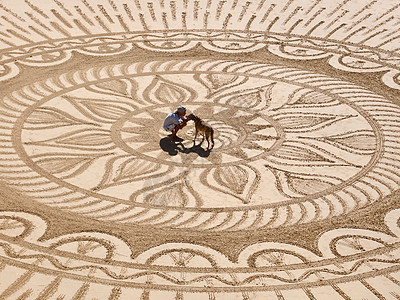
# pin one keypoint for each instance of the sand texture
(298, 199)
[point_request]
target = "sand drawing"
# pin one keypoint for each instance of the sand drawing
(298, 197)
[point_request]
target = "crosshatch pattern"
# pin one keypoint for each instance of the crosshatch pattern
(298, 199)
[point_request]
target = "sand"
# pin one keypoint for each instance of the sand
(298, 199)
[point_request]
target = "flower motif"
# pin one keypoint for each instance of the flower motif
(269, 135)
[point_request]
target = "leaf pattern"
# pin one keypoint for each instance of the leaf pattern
(170, 196)
(303, 97)
(48, 117)
(100, 110)
(217, 83)
(136, 167)
(298, 185)
(69, 164)
(46, 57)
(240, 181)
(161, 91)
(90, 139)
(219, 80)
(252, 118)
(105, 110)
(117, 86)
(305, 155)
(311, 98)
(351, 245)
(296, 122)
(123, 91)
(307, 186)
(234, 178)
(106, 48)
(255, 98)
(359, 142)
(182, 257)
(86, 138)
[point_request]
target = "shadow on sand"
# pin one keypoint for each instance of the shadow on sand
(173, 147)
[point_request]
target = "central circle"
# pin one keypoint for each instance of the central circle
(136, 134)
(277, 143)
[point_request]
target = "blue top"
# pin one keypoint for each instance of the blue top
(171, 119)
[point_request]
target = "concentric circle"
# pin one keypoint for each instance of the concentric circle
(296, 200)
(229, 135)
(313, 146)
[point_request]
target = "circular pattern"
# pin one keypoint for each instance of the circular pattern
(346, 254)
(292, 201)
(314, 147)
(229, 134)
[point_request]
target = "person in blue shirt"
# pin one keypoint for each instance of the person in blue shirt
(175, 121)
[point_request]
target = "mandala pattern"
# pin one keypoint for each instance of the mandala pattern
(313, 147)
(175, 269)
(298, 199)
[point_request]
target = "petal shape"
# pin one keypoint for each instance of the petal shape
(162, 91)
(88, 139)
(117, 86)
(124, 90)
(312, 97)
(125, 169)
(162, 190)
(307, 186)
(256, 98)
(48, 117)
(136, 167)
(68, 164)
(299, 185)
(238, 181)
(359, 141)
(234, 178)
(290, 153)
(170, 196)
(217, 83)
(104, 111)
(297, 122)
(303, 97)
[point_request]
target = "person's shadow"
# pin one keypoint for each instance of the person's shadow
(173, 147)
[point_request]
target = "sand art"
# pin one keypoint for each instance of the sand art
(298, 199)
